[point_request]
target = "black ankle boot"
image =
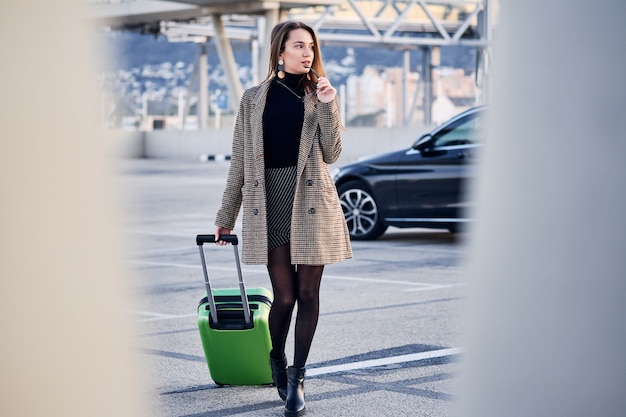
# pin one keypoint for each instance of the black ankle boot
(279, 375)
(294, 407)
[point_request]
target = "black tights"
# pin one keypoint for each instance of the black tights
(291, 285)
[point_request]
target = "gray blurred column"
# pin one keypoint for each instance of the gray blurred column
(545, 329)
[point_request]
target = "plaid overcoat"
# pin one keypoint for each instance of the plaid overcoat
(319, 234)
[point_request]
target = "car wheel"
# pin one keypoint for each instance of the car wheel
(360, 211)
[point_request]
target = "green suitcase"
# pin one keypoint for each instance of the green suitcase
(234, 327)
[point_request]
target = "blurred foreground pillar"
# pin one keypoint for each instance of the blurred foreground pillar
(66, 337)
(546, 329)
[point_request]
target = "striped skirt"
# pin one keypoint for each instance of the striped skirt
(280, 186)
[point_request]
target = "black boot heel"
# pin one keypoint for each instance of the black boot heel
(279, 375)
(295, 406)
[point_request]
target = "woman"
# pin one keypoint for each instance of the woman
(287, 131)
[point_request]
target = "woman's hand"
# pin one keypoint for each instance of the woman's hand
(325, 91)
(219, 231)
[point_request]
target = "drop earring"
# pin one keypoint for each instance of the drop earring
(281, 69)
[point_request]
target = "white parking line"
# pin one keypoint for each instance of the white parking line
(378, 280)
(152, 316)
(436, 287)
(161, 250)
(325, 370)
(421, 286)
(159, 233)
(414, 286)
(172, 265)
(198, 266)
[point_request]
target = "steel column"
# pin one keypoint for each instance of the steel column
(427, 76)
(203, 93)
(225, 52)
(405, 86)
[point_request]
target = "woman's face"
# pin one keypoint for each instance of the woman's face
(298, 52)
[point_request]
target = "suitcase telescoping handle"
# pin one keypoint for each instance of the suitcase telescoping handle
(200, 240)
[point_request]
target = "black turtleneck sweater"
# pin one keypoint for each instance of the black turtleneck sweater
(282, 121)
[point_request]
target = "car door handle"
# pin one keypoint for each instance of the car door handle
(461, 155)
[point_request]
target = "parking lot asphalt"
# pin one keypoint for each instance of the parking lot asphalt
(388, 338)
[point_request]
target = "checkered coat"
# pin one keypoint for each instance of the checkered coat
(319, 234)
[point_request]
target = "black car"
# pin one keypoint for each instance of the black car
(422, 186)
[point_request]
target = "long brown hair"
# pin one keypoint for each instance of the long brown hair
(278, 39)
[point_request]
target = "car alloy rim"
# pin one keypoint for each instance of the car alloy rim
(360, 211)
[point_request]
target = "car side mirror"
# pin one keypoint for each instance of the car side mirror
(423, 142)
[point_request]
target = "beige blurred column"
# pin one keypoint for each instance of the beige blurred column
(545, 328)
(66, 347)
